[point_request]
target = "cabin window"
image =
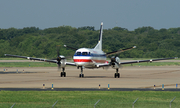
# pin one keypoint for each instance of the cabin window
(78, 53)
(84, 53)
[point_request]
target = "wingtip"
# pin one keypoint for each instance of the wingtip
(64, 45)
(5, 54)
(134, 46)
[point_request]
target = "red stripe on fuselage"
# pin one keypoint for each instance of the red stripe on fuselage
(89, 60)
(82, 60)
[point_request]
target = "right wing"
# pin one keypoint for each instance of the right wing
(151, 60)
(131, 62)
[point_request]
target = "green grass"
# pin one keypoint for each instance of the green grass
(87, 99)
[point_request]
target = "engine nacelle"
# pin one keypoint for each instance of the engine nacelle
(115, 62)
(63, 63)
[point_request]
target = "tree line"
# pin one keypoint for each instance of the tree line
(34, 42)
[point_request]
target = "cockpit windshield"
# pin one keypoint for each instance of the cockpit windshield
(84, 53)
(78, 53)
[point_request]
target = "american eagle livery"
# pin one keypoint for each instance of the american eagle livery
(90, 58)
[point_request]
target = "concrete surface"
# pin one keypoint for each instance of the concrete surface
(131, 77)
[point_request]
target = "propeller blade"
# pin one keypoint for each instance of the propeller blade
(58, 48)
(59, 65)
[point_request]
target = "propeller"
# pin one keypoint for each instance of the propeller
(59, 58)
(113, 60)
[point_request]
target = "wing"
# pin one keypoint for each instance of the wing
(39, 59)
(151, 60)
(102, 65)
(119, 51)
(131, 62)
(31, 58)
(70, 63)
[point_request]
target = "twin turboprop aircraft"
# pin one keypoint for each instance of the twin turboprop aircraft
(90, 58)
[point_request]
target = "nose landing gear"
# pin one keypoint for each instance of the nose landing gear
(117, 74)
(81, 75)
(63, 73)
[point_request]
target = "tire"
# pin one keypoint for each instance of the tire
(118, 75)
(80, 75)
(61, 74)
(115, 75)
(64, 74)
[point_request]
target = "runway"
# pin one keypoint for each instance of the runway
(132, 78)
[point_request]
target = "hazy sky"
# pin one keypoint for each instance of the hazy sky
(129, 14)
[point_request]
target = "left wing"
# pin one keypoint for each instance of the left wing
(31, 58)
(119, 51)
(70, 63)
(39, 59)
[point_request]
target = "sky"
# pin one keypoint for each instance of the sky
(130, 14)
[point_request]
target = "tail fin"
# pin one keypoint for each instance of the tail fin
(99, 45)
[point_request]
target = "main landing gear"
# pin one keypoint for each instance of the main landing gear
(63, 73)
(116, 74)
(81, 75)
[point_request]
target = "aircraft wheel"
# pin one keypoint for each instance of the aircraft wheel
(64, 74)
(118, 75)
(80, 75)
(115, 75)
(61, 74)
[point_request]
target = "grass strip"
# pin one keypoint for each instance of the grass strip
(87, 99)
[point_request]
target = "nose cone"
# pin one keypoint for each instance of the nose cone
(79, 63)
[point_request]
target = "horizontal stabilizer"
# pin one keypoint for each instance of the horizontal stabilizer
(119, 51)
(70, 47)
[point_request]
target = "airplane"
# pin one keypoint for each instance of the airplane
(91, 58)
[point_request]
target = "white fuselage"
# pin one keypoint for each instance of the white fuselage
(89, 57)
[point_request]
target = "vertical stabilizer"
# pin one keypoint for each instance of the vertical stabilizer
(99, 45)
